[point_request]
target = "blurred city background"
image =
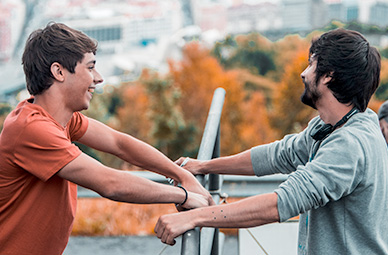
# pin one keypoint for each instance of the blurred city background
(161, 62)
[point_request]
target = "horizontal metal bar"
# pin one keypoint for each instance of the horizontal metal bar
(233, 185)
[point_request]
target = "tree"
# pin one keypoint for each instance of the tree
(256, 128)
(252, 52)
(382, 90)
(168, 129)
(197, 76)
(289, 114)
(286, 50)
(5, 109)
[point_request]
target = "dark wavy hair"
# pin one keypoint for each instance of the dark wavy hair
(353, 64)
(55, 43)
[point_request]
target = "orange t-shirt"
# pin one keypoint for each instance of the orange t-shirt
(37, 207)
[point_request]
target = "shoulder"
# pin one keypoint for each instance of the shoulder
(77, 126)
(25, 117)
(357, 137)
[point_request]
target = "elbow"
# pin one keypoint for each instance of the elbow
(111, 194)
(109, 189)
(108, 193)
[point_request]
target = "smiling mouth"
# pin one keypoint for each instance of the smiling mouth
(91, 89)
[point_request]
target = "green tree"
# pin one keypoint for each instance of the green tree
(249, 52)
(168, 129)
(5, 109)
(382, 90)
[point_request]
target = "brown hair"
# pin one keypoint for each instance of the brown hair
(353, 64)
(55, 43)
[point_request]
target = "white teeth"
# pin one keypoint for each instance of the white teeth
(91, 90)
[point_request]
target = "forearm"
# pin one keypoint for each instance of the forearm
(239, 164)
(125, 187)
(249, 212)
(144, 155)
(130, 149)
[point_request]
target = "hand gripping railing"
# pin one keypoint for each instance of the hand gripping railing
(196, 242)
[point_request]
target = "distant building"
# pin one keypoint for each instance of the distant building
(211, 16)
(11, 21)
(379, 14)
(5, 34)
(336, 11)
(246, 18)
(372, 12)
(303, 15)
(120, 25)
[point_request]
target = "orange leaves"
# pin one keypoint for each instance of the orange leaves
(98, 216)
(132, 113)
(256, 129)
(169, 111)
(198, 75)
(289, 114)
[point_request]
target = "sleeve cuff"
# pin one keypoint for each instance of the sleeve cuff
(261, 161)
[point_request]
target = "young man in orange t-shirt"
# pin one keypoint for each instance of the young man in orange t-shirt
(40, 166)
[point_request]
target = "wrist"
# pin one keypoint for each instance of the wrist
(186, 196)
(203, 167)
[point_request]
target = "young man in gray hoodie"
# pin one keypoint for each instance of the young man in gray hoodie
(337, 166)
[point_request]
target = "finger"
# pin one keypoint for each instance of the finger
(179, 161)
(164, 237)
(159, 229)
(184, 162)
(168, 237)
(171, 241)
(211, 201)
(180, 208)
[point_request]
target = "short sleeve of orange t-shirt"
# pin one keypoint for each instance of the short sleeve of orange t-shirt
(43, 147)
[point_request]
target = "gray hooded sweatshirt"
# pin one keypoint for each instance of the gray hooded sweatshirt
(338, 186)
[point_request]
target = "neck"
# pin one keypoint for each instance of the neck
(331, 111)
(53, 105)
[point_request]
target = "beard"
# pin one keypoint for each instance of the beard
(310, 95)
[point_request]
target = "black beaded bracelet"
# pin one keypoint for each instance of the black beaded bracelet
(187, 195)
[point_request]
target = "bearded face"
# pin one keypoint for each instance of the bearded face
(310, 94)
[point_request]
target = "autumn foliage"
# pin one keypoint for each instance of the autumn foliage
(263, 88)
(289, 115)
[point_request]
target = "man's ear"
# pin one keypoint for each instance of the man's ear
(57, 71)
(328, 77)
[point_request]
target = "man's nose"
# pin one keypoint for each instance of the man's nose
(98, 78)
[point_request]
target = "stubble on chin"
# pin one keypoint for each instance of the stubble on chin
(309, 97)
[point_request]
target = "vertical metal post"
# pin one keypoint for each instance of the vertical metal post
(209, 148)
(214, 179)
(214, 186)
(191, 242)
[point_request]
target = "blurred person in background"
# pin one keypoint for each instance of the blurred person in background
(337, 167)
(383, 119)
(40, 167)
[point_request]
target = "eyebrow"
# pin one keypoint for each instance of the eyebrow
(91, 62)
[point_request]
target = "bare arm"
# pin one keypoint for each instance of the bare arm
(239, 164)
(136, 152)
(250, 212)
(123, 186)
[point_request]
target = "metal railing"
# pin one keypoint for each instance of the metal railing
(207, 241)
